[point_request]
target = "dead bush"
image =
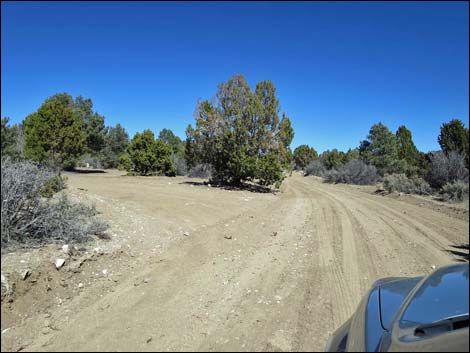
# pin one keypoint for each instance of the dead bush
(354, 172)
(315, 168)
(29, 219)
(446, 168)
(202, 170)
(180, 164)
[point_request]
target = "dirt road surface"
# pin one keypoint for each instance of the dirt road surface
(255, 271)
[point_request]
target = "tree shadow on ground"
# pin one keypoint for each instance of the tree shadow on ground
(243, 187)
(87, 171)
(460, 251)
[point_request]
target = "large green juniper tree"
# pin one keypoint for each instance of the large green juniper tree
(54, 133)
(455, 137)
(303, 155)
(149, 156)
(240, 134)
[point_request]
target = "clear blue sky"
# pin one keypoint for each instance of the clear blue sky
(338, 67)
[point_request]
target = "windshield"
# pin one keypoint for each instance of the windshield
(443, 295)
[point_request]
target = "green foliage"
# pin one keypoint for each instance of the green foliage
(93, 124)
(240, 133)
(351, 155)
(150, 156)
(53, 186)
(116, 141)
(12, 140)
(303, 155)
(124, 162)
(423, 164)
(177, 150)
(176, 144)
(286, 135)
(6, 135)
(269, 170)
(332, 159)
(141, 151)
(406, 148)
(381, 150)
(455, 137)
(164, 163)
(54, 133)
(190, 148)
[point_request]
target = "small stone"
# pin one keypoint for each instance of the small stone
(25, 274)
(105, 271)
(59, 263)
(146, 280)
(80, 285)
(274, 234)
(186, 234)
(65, 249)
(433, 267)
(228, 237)
(149, 339)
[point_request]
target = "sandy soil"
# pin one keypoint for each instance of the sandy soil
(257, 271)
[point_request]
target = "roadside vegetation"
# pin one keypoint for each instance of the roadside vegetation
(239, 138)
(34, 211)
(241, 135)
(394, 160)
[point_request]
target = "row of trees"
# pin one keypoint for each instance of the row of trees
(240, 134)
(391, 153)
(64, 131)
(394, 158)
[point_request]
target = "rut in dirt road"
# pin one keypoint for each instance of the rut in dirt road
(294, 269)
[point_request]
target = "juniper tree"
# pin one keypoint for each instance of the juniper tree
(240, 132)
(54, 133)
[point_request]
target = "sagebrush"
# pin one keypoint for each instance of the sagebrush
(201, 170)
(455, 191)
(354, 172)
(315, 168)
(446, 168)
(28, 218)
(401, 183)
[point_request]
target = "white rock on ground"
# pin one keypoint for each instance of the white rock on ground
(59, 263)
(65, 249)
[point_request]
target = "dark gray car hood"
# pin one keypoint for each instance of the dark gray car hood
(443, 294)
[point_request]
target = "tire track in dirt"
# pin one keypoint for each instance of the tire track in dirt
(294, 269)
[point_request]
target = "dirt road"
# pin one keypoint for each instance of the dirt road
(256, 272)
